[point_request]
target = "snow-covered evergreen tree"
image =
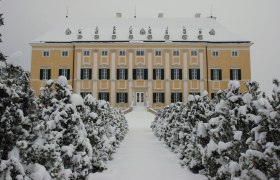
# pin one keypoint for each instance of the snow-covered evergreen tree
(198, 136)
(61, 143)
(261, 160)
(2, 56)
(106, 128)
(17, 109)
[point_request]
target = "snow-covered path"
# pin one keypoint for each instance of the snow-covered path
(142, 156)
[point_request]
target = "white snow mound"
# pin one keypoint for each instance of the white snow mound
(77, 100)
(62, 81)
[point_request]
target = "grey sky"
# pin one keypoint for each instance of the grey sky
(256, 20)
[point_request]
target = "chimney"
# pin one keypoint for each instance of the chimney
(160, 15)
(118, 15)
(197, 15)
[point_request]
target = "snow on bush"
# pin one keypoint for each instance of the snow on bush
(58, 136)
(233, 136)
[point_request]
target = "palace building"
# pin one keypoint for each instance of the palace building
(142, 61)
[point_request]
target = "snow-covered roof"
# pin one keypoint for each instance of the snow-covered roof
(86, 30)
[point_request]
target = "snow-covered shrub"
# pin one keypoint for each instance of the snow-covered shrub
(106, 128)
(60, 144)
(235, 136)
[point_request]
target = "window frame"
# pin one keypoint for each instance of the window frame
(104, 53)
(45, 74)
(122, 74)
(194, 74)
(140, 53)
(86, 74)
(122, 97)
(177, 97)
(158, 97)
(194, 93)
(122, 53)
(86, 52)
(158, 74)
(104, 96)
(46, 55)
(158, 53)
(194, 53)
(235, 76)
(65, 51)
(234, 51)
(216, 74)
(104, 74)
(64, 71)
(84, 94)
(176, 52)
(215, 53)
(176, 74)
(140, 72)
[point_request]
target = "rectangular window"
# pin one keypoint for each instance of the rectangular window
(195, 93)
(139, 53)
(86, 53)
(194, 74)
(235, 74)
(176, 97)
(193, 53)
(216, 74)
(86, 73)
(84, 94)
(122, 97)
(215, 53)
(64, 72)
(104, 74)
(213, 95)
(176, 74)
(122, 74)
(234, 53)
(46, 53)
(139, 73)
(158, 53)
(104, 53)
(158, 74)
(103, 96)
(176, 53)
(122, 53)
(158, 97)
(45, 74)
(64, 53)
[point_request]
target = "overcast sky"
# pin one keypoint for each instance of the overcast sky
(256, 20)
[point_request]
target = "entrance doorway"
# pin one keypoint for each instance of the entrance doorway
(139, 98)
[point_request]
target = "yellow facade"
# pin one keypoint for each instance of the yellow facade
(203, 59)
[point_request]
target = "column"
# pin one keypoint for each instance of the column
(95, 73)
(201, 72)
(113, 77)
(79, 55)
(185, 77)
(150, 79)
(130, 69)
(167, 73)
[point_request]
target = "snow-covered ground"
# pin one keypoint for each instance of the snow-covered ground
(142, 156)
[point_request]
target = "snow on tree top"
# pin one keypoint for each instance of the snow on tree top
(233, 85)
(77, 100)
(179, 29)
(62, 81)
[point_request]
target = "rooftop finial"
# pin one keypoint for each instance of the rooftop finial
(211, 13)
(67, 10)
(134, 11)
